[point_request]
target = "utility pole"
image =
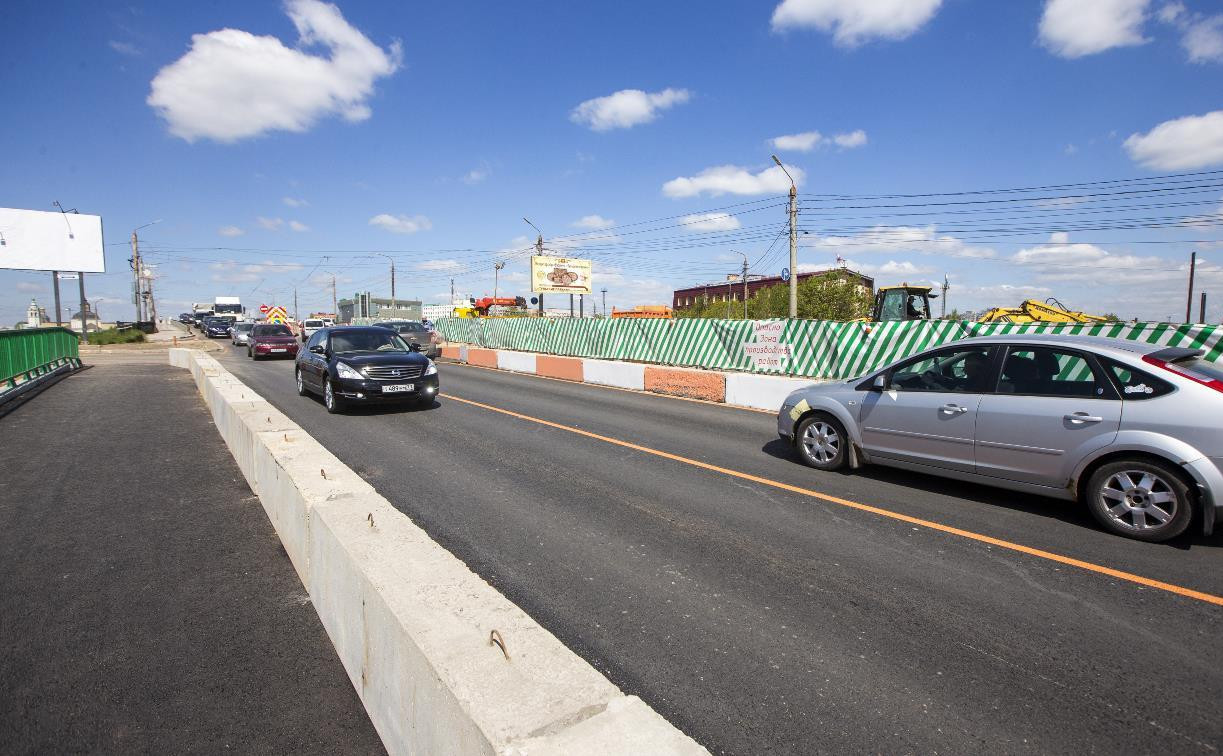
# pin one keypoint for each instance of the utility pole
(1193, 263)
(744, 283)
(793, 240)
(946, 286)
(452, 296)
(1202, 310)
(139, 288)
(84, 315)
(605, 303)
(539, 250)
(497, 266)
(295, 316)
(335, 308)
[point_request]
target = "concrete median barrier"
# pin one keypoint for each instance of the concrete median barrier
(565, 368)
(409, 621)
(628, 375)
(516, 362)
(480, 357)
(693, 384)
(761, 391)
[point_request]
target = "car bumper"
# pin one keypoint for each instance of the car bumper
(265, 350)
(217, 334)
(425, 387)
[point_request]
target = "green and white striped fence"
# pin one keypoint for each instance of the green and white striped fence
(817, 348)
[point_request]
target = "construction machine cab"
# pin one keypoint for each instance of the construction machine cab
(902, 302)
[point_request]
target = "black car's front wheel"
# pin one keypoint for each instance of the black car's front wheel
(332, 402)
(822, 442)
(301, 383)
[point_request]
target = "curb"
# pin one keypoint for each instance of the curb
(748, 390)
(409, 621)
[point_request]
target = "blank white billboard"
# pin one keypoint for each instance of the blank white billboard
(39, 240)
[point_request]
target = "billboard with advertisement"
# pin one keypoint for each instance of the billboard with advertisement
(40, 240)
(564, 275)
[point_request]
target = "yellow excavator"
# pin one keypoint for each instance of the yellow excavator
(902, 302)
(1033, 311)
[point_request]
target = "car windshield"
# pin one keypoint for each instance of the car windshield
(271, 330)
(314, 324)
(379, 340)
(410, 328)
(243, 326)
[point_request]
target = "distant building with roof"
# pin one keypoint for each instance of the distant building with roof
(731, 290)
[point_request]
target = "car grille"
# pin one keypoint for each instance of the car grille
(392, 372)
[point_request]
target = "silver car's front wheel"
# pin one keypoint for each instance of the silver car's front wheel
(1140, 499)
(821, 442)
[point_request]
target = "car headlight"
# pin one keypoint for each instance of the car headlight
(432, 369)
(346, 372)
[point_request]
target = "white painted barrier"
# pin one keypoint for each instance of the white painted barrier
(409, 621)
(518, 362)
(629, 375)
(762, 391)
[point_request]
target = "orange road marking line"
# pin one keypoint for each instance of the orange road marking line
(1049, 555)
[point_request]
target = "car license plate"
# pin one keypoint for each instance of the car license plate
(282, 349)
(397, 387)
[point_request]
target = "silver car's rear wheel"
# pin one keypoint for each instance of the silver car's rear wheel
(821, 442)
(1140, 499)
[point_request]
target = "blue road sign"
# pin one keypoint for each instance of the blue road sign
(785, 275)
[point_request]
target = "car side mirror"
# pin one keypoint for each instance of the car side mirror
(880, 383)
(318, 349)
(413, 346)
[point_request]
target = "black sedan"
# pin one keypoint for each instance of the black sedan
(216, 328)
(362, 365)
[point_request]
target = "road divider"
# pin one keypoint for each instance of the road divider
(762, 392)
(409, 621)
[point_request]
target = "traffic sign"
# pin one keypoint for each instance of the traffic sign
(277, 314)
(264, 309)
(69, 276)
(785, 275)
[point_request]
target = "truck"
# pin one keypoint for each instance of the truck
(231, 306)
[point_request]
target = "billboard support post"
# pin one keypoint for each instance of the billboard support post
(84, 313)
(55, 286)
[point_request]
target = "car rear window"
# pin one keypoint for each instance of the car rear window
(272, 330)
(1137, 384)
(1201, 368)
(410, 328)
(314, 324)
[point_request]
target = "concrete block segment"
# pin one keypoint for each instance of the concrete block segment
(761, 391)
(694, 384)
(565, 368)
(410, 622)
(452, 352)
(518, 362)
(481, 357)
(629, 375)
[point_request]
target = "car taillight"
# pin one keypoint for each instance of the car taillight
(1184, 372)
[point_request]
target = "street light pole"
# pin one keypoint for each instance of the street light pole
(138, 269)
(497, 266)
(744, 283)
(793, 240)
(539, 250)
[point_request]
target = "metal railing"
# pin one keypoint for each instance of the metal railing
(27, 355)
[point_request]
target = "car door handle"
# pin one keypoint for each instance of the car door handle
(953, 409)
(1083, 417)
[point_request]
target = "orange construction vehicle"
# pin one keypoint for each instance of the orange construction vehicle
(482, 306)
(643, 311)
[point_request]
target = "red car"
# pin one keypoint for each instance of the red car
(271, 341)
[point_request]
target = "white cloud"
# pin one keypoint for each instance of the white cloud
(892, 269)
(233, 85)
(230, 231)
(710, 222)
(25, 287)
(298, 226)
(271, 224)
(1061, 259)
(1074, 28)
(1180, 144)
(295, 202)
(897, 239)
(626, 108)
(476, 175)
(802, 142)
(855, 22)
(731, 179)
(1201, 36)
(444, 266)
(593, 222)
(124, 48)
(809, 140)
(850, 140)
(401, 224)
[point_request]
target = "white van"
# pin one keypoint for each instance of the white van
(310, 325)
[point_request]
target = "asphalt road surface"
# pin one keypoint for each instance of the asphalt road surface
(759, 618)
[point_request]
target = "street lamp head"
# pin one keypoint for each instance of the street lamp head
(775, 160)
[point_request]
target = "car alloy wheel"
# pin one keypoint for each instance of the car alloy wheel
(821, 442)
(1140, 499)
(301, 384)
(330, 400)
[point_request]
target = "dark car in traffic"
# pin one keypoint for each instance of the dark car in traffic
(216, 328)
(416, 332)
(186, 318)
(362, 365)
(271, 340)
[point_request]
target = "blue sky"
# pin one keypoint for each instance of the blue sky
(306, 137)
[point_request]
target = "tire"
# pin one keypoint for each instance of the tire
(333, 403)
(301, 384)
(1140, 499)
(822, 442)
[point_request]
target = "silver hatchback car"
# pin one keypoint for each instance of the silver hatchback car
(1133, 430)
